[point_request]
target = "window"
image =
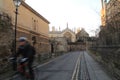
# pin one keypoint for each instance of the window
(34, 24)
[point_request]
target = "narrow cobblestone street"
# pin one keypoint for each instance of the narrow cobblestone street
(64, 68)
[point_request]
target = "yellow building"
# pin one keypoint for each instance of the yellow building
(30, 24)
(103, 13)
(103, 19)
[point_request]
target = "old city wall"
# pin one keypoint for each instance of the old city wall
(109, 58)
(77, 46)
(107, 49)
(107, 46)
(6, 38)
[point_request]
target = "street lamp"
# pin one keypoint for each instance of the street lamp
(17, 4)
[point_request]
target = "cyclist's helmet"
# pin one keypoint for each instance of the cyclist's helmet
(22, 39)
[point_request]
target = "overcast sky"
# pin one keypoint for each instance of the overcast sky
(77, 13)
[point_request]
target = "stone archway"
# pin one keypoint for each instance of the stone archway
(68, 36)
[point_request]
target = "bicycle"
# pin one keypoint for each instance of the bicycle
(22, 69)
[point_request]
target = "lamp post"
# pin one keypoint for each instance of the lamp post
(17, 4)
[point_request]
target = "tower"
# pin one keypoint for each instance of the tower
(53, 28)
(103, 12)
(59, 28)
(78, 30)
(102, 2)
(67, 25)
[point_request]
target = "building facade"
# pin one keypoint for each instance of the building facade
(66, 33)
(59, 44)
(69, 40)
(110, 33)
(82, 36)
(103, 13)
(107, 45)
(60, 39)
(30, 24)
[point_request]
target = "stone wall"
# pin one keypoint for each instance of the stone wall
(107, 46)
(77, 46)
(61, 44)
(107, 50)
(110, 58)
(58, 46)
(6, 38)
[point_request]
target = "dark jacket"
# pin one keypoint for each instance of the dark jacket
(26, 51)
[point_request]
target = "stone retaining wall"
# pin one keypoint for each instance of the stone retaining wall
(6, 38)
(110, 58)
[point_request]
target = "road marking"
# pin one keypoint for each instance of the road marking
(76, 70)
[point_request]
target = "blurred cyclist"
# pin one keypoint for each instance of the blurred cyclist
(26, 51)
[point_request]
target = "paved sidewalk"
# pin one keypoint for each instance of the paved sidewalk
(95, 70)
